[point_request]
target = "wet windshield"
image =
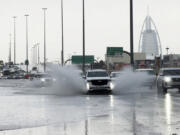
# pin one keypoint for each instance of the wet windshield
(150, 72)
(115, 74)
(98, 74)
(172, 72)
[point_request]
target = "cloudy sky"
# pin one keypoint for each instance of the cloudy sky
(107, 24)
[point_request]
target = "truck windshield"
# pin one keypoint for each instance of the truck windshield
(97, 74)
(172, 72)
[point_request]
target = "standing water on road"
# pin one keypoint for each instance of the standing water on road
(68, 81)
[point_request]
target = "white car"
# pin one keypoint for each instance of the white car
(168, 78)
(151, 78)
(45, 79)
(98, 80)
(115, 74)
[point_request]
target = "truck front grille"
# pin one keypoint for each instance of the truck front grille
(176, 79)
(99, 82)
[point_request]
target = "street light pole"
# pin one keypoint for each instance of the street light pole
(36, 46)
(14, 17)
(38, 55)
(9, 48)
(62, 23)
(167, 50)
(27, 60)
(131, 34)
(83, 66)
(44, 9)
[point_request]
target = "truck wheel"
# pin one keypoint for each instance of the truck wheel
(165, 90)
(179, 90)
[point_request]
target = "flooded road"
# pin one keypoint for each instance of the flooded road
(140, 111)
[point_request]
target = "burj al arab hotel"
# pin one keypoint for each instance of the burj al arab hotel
(149, 42)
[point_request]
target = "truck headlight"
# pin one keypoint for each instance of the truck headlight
(87, 86)
(167, 79)
(43, 80)
(111, 85)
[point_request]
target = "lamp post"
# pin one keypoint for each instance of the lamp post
(27, 59)
(83, 8)
(131, 33)
(36, 46)
(62, 27)
(14, 17)
(44, 9)
(167, 48)
(9, 48)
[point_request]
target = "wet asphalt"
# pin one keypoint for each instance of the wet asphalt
(137, 111)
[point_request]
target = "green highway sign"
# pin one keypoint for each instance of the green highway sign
(114, 51)
(78, 59)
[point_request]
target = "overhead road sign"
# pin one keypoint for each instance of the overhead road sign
(114, 51)
(78, 59)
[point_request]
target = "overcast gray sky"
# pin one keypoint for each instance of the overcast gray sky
(107, 24)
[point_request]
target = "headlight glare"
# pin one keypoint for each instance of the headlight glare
(87, 86)
(111, 85)
(43, 80)
(167, 79)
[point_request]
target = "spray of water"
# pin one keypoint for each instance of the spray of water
(68, 81)
(130, 81)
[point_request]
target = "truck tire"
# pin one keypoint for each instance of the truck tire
(164, 90)
(179, 90)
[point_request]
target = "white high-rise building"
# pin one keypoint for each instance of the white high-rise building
(149, 42)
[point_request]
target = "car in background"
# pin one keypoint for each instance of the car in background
(115, 74)
(44, 79)
(151, 76)
(168, 78)
(98, 80)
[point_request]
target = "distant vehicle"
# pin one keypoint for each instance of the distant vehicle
(146, 70)
(6, 72)
(45, 79)
(151, 79)
(19, 74)
(168, 78)
(98, 80)
(115, 74)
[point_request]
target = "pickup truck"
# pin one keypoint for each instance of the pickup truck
(98, 80)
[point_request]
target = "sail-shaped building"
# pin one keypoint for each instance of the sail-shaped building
(149, 42)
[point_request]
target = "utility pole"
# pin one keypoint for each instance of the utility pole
(131, 34)
(14, 17)
(83, 65)
(167, 48)
(62, 23)
(9, 48)
(44, 9)
(38, 55)
(27, 60)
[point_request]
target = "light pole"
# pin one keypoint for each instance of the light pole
(167, 48)
(38, 55)
(44, 9)
(36, 46)
(83, 8)
(131, 34)
(62, 23)
(27, 60)
(14, 17)
(9, 48)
